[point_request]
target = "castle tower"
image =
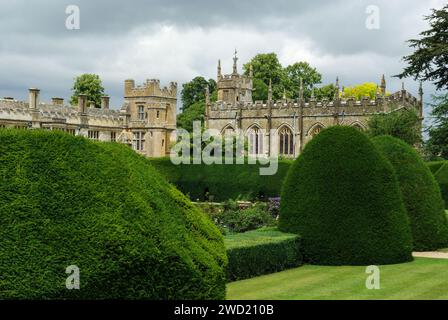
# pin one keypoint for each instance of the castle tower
(234, 88)
(152, 110)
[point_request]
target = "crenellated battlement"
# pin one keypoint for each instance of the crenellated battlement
(151, 88)
(400, 97)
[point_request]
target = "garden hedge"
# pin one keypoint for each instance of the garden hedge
(442, 178)
(99, 206)
(342, 196)
(421, 194)
(225, 181)
(261, 251)
(434, 166)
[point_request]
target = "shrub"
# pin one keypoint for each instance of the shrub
(342, 196)
(68, 201)
(223, 182)
(229, 216)
(260, 252)
(442, 178)
(421, 194)
(247, 219)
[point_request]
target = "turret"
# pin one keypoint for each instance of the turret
(270, 91)
(301, 92)
(235, 67)
(383, 85)
(336, 93)
(207, 95)
(420, 95)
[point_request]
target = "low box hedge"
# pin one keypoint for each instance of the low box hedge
(261, 251)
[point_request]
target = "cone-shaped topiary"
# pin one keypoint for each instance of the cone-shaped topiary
(421, 194)
(66, 201)
(342, 196)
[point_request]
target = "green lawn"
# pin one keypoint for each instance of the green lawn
(421, 279)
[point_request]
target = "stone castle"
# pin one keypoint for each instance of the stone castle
(145, 121)
(284, 127)
(147, 118)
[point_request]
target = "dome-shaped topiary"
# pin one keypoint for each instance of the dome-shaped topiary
(421, 194)
(101, 207)
(342, 196)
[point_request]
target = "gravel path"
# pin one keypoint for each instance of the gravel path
(431, 254)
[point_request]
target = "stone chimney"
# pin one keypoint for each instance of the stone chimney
(82, 103)
(105, 102)
(33, 98)
(57, 101)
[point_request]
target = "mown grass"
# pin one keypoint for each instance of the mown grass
(258, 237)
(423, 278)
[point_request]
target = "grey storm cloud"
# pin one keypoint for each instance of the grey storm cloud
(177, 40)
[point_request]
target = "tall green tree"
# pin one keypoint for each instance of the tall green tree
(89, 84)
(403, 124)
(194, 91)
(267, 67)
(325, 92)
(429, 60)
(195, 112)
(437, 144)
(301, 70)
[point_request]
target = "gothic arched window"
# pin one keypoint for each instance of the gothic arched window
(316, 130)
(255, 141)
(286, 141)
(228, 131)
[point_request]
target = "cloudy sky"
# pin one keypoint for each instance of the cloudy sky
(178, 40)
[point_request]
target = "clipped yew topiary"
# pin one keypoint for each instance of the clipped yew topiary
(342, 196)
(442, 179)
(421, 194)
(66, 201)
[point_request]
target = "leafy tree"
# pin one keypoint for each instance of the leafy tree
(366, 89)
(195, 112)
(437, 144)
(260, 91)
(267, 67)
(403, 124)
(194, 91)
(301, 70)
(325, 92)
(430, 57)
(89, 84)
